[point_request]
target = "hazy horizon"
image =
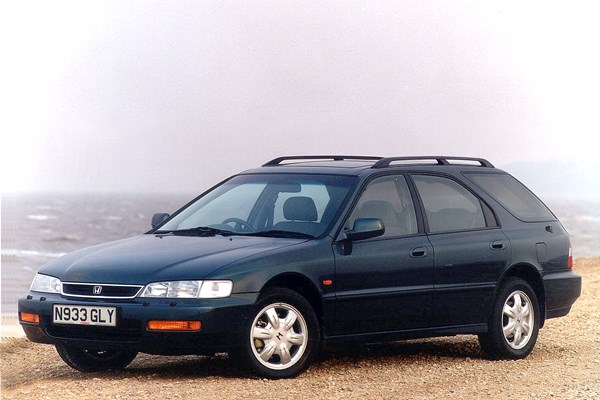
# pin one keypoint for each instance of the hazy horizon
(546, 179)
(107, 96)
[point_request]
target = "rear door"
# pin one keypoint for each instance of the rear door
(471, 251)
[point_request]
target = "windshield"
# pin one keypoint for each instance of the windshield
(296, 205)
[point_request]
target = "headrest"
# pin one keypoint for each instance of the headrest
(300, 208)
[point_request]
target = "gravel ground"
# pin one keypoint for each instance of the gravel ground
(564, 365)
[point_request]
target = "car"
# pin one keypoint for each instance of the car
(278, 262)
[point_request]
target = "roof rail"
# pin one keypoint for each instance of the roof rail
(440, 160)
(279, 160)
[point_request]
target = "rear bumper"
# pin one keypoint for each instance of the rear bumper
(223, 321)
(561, 290)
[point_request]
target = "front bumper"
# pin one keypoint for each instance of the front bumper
(223, 321)
(561, 290)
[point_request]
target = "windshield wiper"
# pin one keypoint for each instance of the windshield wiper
(197, 231)
(280, 233)
(208, 231)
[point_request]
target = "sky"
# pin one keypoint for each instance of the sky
(173, 96)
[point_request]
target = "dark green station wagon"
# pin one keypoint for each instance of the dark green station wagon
(277, 262)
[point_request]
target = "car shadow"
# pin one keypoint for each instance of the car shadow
(345, 356)
(447, 347)
(178, 367)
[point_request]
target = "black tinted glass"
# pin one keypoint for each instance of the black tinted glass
(514, 196)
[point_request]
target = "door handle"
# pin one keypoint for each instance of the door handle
(497, 245)
(418, 252)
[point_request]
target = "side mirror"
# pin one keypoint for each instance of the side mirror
(366, 228)
(158, 219)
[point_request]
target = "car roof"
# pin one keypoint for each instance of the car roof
(356, 165)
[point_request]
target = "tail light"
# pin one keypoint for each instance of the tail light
(570, 259)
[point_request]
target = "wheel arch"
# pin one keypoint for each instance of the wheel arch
(300, 284)
(531, 275)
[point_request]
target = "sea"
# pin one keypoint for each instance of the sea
(36, 228)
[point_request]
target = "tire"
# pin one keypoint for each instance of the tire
(514, 325)
(94, 360)
(281, 338)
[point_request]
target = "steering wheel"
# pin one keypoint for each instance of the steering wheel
(243, 226)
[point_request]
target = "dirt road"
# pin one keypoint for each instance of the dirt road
(564, 365)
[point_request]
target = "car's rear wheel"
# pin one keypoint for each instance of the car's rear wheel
(283, 336)
(514, 325)
(86, 360)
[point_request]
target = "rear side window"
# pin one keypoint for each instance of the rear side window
(514, 196)
(448, 205)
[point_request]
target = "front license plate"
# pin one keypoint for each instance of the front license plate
(84, 315)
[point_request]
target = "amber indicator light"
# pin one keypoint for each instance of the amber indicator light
(29, 317)
(174, 325)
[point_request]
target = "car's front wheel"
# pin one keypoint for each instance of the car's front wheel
(283, 336)
(86, 360)
(514, 325)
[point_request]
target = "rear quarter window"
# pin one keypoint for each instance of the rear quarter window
(513, 196)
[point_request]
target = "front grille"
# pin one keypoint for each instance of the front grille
(100, 291)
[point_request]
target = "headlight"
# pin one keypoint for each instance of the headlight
(188, 289)
(45, 283)
(216, 289)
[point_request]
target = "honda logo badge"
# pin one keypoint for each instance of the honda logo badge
(97, 289)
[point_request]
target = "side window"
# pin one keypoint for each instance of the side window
(387, 198)
(448, 205)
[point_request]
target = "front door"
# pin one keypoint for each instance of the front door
(385, 283)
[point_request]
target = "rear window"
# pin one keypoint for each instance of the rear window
(514, 196)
